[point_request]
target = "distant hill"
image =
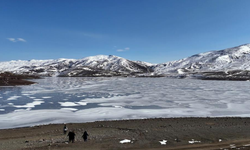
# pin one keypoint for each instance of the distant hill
(10, 79)
(232, 63)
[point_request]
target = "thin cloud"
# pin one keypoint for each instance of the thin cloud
(21, 40)
(123, 50)
(120, 50)
(16, 39)
(12, 39)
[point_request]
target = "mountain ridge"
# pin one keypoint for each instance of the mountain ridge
(224, 61)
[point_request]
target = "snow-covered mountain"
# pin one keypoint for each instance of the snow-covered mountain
(228, 63)
(100, 65)
(236, 58)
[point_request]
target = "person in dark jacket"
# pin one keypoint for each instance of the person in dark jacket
(71, 136)
(85, 136)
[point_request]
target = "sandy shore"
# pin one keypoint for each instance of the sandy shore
(207, 133)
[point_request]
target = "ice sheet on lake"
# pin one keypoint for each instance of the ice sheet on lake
(58, 100)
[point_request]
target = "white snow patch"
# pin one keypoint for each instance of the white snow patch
(68, 104)
(2, 109)
(232, 146)
(46, 97)
(163, 142)
(82, 103)
(118, 106)
(33, 104)
(193, 141)
(125, 141)
(26, 94)
(71, 109)
(13, 98)
(38, 99)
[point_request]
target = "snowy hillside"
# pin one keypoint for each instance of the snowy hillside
(236, 58)
(232, 63)
(100, 65)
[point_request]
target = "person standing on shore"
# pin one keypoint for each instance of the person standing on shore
(71, 136)
(85, 136)
(65, 129)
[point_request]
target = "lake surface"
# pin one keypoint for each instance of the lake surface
(62, 100)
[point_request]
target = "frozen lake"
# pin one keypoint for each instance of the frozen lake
(62, 100)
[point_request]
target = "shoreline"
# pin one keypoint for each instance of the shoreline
(11, 79)
(207, 133)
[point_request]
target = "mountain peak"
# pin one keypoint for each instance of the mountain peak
(235, 58)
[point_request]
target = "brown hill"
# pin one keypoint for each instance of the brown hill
(10, 79)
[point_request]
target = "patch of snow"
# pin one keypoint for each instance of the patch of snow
(82, 103)
(68, 104)
(232, 146)
(118, 106)
(26, 94)
(46, 97)
(28, 105)
(71, 109)
(13, 98)
(125, 141)
(193, 141)
(163, 142)
(38, 99)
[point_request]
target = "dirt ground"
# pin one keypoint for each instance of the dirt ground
(207, 134)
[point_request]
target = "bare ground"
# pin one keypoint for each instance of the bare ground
(209, 134)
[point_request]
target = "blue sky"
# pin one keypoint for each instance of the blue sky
(154, 31)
